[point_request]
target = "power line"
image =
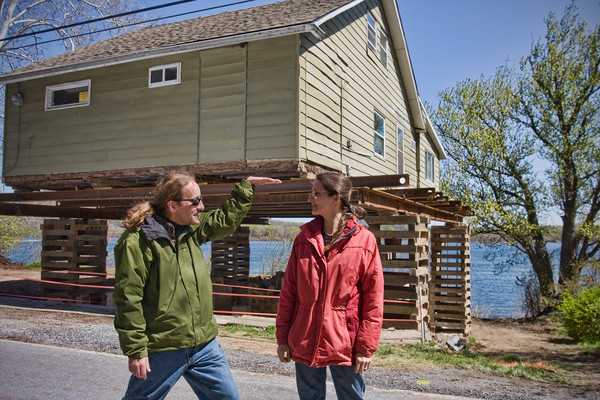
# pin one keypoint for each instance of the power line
(118, 27)
(122, 15)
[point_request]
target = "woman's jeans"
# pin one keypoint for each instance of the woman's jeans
(311, 382)
(204, 368)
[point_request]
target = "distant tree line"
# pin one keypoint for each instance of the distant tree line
(276, 231)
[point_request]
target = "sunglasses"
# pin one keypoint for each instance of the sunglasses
(194, 201)
(316, 193)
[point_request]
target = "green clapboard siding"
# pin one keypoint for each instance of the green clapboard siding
(222, 105)
(272, 117)
(126, 124)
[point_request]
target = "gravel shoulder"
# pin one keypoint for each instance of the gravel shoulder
(91, 328)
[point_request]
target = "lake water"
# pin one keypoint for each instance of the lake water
(494, 293)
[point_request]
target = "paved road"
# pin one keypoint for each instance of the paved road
(33, 371)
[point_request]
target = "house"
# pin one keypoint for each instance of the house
(285, 89)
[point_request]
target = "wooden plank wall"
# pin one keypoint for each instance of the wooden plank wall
(74, 252)
(342, 83)
(126, 125)
(225, 94)
(230, 258)
(450, 285)
(272, 99)
(403, 242)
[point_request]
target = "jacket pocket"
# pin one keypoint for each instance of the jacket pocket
(301, 337)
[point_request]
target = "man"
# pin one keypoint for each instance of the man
(163, 291)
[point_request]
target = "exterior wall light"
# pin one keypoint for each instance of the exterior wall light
(17, 99)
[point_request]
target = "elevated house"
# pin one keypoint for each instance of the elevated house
(286, 90)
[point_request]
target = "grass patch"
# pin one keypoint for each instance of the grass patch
(251, 331)
(430, 354)
(509, 365)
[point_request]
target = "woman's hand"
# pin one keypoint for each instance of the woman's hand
(283, 351)
(262, 180)
(362, 363)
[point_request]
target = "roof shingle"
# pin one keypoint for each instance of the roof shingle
(256, 19)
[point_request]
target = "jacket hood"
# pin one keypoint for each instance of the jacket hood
(155, 227)
(152, 229)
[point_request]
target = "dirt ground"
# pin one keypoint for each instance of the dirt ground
(535, 340)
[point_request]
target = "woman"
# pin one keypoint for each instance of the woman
(331, 305)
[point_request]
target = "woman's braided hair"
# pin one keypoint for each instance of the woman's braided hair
(337, 184)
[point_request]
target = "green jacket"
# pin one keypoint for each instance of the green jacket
(163, 290)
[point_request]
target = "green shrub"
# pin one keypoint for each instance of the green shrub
(12, 231)
(35, 265)
(581, 315)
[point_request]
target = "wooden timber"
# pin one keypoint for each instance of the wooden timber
(288, 199)
(73, 259)
(450, 285)
(403, 242)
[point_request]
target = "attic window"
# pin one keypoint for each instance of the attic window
(163, 75)
(66, 95)
(379, 134)
(371, 32)
(429, 167)
(383, 48)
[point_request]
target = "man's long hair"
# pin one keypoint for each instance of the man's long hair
(167, 188)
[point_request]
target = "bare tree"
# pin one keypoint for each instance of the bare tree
(33, 30)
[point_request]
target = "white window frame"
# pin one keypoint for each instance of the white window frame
(379, 135)
(383, 48)
(163, 68)
(400, 149)
(371, 31)
(429, 167)
(85, 101)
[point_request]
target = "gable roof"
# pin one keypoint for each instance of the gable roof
(271, 20)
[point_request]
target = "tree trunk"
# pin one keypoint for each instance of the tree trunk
(542, 267)
(570, 243)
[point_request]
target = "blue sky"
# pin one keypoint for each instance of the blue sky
(450, 41)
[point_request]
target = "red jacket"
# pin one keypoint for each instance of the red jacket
(331, 306)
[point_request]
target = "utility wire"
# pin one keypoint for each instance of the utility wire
(122, 26)
(122, 15)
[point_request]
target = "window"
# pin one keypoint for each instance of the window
(400, 143)
(379, 47)
(383, 48)
(163, 75)
(379, 134)
(66, 95)
(429, 167)
(371, 32)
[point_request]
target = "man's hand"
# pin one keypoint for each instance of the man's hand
(262, 180)
(362, 363)
(139, 367)
(283, 351)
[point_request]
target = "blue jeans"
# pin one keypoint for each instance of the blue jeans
(204, 368)
(311, 382)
